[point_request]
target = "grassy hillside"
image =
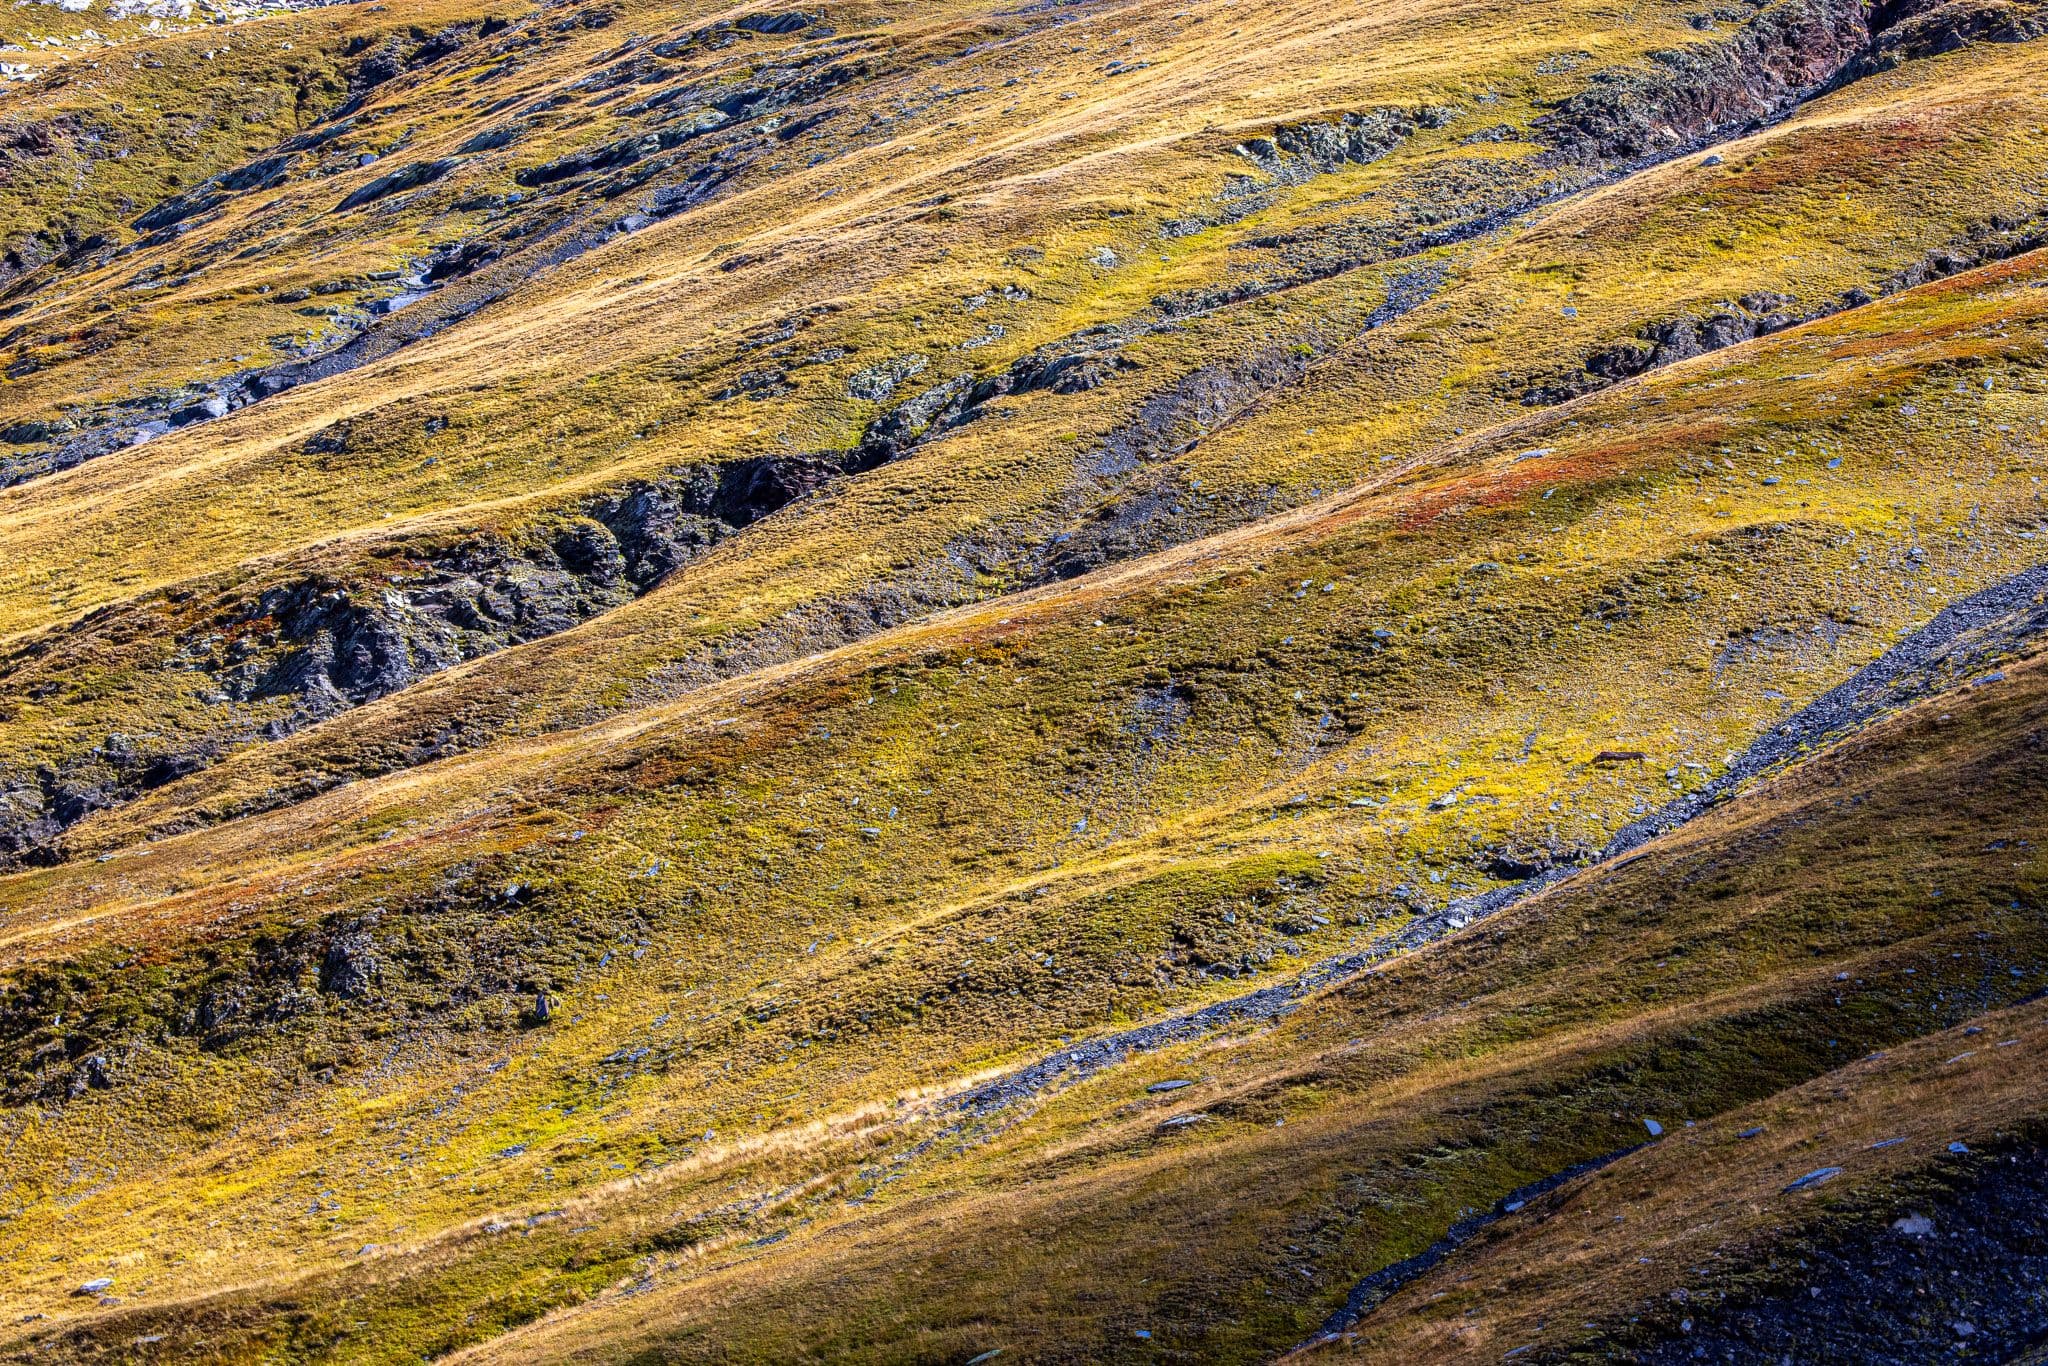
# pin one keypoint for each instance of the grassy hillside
(1225, 413)
(882, 684)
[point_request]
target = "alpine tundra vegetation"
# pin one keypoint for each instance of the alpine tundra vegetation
(994, 681)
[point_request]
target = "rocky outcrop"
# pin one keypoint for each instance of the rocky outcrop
(1296, 152)
(689, 112)
(1926, 28)
(67, 1030)
(700, 138)
(1762, 313)
(1786, 53)
(1947, 1265)
(299, 650)
(278, 658)
(410, 176)
(349, 967)
(31, 146)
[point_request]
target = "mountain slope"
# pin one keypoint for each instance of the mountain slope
(658, 657)
(220, 661)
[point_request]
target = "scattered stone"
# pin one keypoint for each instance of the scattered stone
(1297, 152)
(877, 382)
(349, 967)
(1816, 1177)
(758, 385)
(91, 1074)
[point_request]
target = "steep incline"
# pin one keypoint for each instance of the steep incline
(657, 658)
(1220, 1196)
(1064, 446)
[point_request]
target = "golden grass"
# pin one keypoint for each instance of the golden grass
(826, 887)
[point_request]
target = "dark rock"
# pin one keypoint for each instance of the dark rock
(336, 125)
(877, 382)
(1514, 865)
(889, 436)
(758, 385)
(491, 139)
(178, 208)
(89, 1074)
(463, 258)
(788, 22)
(349, 968)
(332, 439)
(1298, 151)
(1862, 1289)
(262, 174)
(624, 152)
(1911, 29)
(410, 176)
(1781, 56)
(382, 64)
